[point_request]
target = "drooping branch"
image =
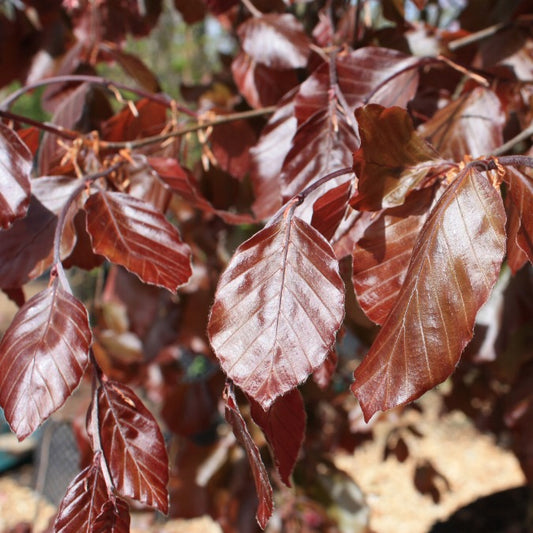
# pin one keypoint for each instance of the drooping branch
(44, 126)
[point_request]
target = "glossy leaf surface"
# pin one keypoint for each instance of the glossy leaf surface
(286, 275)
(262, 483)
(132, 233)
(381, 257)
(392, 159)
(15, 169)
(114, 518)
(83, 502)
(284, 427)
(277, 41)
(454, 266)
(43, 356)
(133, 446)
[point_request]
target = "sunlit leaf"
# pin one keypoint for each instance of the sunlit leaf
(381, 257)
(262, 483)
(321, 145)
(82, 502)
(268, 156)
(472, 124)
(277, 309)
(392, 159)
(276, 41)
(284, 427)
(43, 356)
(133, 446)
(362, 77)
(15, 169)
(453, 268)
(131, 233)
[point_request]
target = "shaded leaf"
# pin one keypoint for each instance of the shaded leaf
(382, 255)
(329, 209)
(15, 169)
(453, 268)
(231, 145)
(134, 67)
(521, 196)
(181, 181)
(260, 85)
(26, 247)
(284, 427)
(220, 6)
(286, 274)
(191, 10)
(323, 374)
(43, 356)
(133, 446)
(131, 233)
(276, 41)
(83, 501)
(114, 518)
(472, 124)
(125, 126)
(262, 483)
(392, 159)
(516, 257)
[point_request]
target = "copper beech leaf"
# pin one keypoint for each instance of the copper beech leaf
(277, 41)
(43, 356)
(284, 427)
(133, 446)
(114, 518)
(262, 483)
(277, 309)
(382, 255)
(453, 268)
(83, 501)
(472, 124)
(521, 197)
(392, 159)
(132, 233)
(15, 169)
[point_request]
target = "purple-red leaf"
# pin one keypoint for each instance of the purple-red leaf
(260, 85)
(43, 356)
(276, 41)
(521, 197)
(472, 124)
(132, 233)
(321, 145)
(26, 247)
(277, 309)
(83, 501)
(284, 427)
(453, 268)
(362, 75)
(381, 257)
(262, 483)
(15, 169)
(330, 208)
(133, 446)
(114, 518)
(392, 159)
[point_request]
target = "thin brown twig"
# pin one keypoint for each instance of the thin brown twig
(477, 36)
(224, 119)
(522, 136)
(45, 126)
